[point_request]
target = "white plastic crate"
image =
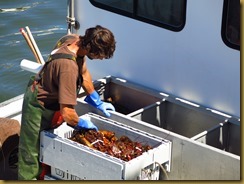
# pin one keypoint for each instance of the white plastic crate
(58, 174)
(85, 163)
(48, 177)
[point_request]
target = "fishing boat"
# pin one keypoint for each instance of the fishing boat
(174, 77)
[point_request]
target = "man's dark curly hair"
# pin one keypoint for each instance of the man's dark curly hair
(99, 41)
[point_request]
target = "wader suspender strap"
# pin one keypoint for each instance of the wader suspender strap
(58, 56)
(52, 57)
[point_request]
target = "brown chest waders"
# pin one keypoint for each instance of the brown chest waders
(35, 118)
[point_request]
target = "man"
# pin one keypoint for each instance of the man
(51, 95)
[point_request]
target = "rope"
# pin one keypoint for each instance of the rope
(163, 170)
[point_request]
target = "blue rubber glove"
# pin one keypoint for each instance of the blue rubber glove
(94, 100)
(85, 124)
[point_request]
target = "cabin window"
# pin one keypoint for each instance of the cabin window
(231, 23)
(169, 14)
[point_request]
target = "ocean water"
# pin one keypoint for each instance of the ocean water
(47, 22)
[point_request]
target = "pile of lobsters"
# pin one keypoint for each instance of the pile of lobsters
(106, 141)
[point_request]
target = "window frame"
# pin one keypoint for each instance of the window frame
(143, 19)
(224, 29)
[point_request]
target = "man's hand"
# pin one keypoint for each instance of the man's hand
(94, 100)
(85, 124)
